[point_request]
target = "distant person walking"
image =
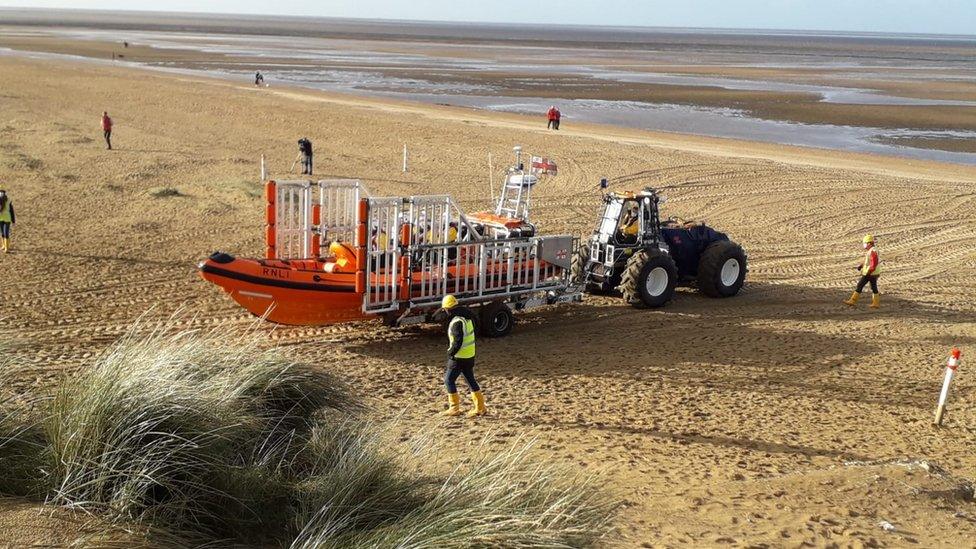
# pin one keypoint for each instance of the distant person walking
(7, 218)
(107, 129)
(870, 269)
(258, 79)
(553, 115)
(305, 154)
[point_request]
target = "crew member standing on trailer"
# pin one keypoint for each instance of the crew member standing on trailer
(107, 129)
(870, 269)
(305, 151)
(460, 358)
(7, 218)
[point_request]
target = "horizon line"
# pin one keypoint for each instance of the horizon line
(488, 23)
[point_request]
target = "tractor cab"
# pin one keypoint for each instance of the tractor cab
(629, 219)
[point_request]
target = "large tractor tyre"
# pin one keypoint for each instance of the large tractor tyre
(721, 269)
(649, 279)
(577, 274)
(497, 319)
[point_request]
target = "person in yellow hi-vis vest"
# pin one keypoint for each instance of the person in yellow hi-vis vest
(7, 218)
(460, 358)
(870, 269)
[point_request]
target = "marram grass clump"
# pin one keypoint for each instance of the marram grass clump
(184, 430)
(498, 499)
(22, 444)
(205, 440)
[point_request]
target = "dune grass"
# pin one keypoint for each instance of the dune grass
(22, 445)
(207, 441)
(186, 431)
(497, 499)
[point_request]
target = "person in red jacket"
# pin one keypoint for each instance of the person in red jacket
(553, 115)
(107, 129)
(870, 269)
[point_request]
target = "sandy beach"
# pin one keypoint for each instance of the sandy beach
(777, 418)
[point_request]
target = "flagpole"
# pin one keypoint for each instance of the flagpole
(491, 179)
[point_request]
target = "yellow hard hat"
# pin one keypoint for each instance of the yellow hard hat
(449, 302)
(868, 239)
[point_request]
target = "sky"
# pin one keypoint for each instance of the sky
(908, 16)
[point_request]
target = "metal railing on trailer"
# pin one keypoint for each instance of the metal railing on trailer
(422, 248)
(303, 214)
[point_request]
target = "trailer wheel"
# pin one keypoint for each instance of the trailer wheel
(649, 279)
(497, 319)
(721, 269)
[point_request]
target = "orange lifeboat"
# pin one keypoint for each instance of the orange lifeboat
(299, 292)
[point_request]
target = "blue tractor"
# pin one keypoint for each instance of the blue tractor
(633, 252)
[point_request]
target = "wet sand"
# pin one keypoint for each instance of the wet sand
(771, 105)
(878, 93)
(779, 417)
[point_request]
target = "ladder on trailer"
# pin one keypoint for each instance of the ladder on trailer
(514, 201)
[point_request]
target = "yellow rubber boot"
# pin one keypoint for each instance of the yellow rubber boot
(479, 404)
(875, 301)
(6, 244)
(853, 300)
(453, 405)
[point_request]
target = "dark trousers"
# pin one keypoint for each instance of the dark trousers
(872, 279)
(460, 367)
(108, 139)
(4, 229)
(553, 125)
(306, 164)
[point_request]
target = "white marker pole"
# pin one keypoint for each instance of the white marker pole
(950, 371)
(491, 178)
(264, 170)
(404, 158)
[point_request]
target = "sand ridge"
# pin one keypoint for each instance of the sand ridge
(779, 417)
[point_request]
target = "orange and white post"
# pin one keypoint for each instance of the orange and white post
(951, 366)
